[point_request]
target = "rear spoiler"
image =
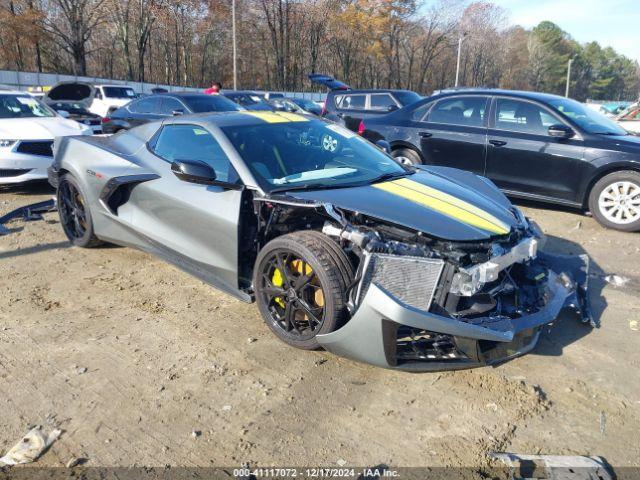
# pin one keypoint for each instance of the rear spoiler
(328, 81)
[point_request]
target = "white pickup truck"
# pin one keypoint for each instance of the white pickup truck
(97, 98)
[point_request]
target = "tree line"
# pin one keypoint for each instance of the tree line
(408, 44)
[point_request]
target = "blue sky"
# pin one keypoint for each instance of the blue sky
(614, 23)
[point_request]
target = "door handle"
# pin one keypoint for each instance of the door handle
(425, 134)
(497, 143)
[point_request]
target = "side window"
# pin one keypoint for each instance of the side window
(525, 117)
(146, 105)
(460, 111)
(419, 113)
(170, 105)
(192, 142)
(382, 101)
(351, 102)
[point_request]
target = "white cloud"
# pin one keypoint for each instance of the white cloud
(614, 23)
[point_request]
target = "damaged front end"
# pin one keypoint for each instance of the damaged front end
(423, 304)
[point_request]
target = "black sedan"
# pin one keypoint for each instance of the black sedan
(532, 145)
(249, 100)
(309, 105)
(156, 107)
(78, 111)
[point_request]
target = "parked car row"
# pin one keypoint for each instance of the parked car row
(28, 128)
(532, 145)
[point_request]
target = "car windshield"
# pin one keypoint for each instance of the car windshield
(75, 108)
(290, 151)
(407, 97)
(23, 106)
(246, 99)
(119, 92)
(587, 118)
(304, 103)
(210, 103)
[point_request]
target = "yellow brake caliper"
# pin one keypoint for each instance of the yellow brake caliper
(278, 281)
(299, 266)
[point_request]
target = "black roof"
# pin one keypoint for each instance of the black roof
(179, 94)
(543, 97)
(369, 90)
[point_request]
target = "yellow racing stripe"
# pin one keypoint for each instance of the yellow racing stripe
(444, 203)
(273, 117)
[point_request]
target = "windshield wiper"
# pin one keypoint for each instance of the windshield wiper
(307, 186)
(390, 176)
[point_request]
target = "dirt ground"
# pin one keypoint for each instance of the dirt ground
(166, 355)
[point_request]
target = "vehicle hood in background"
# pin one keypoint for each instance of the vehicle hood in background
(328, 81)
(76, 91)
(43, 128)
(442, 202)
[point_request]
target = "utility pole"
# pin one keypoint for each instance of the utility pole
(233, 34)
(566, 90)
(460, 39)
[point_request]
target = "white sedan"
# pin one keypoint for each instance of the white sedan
(27, 130)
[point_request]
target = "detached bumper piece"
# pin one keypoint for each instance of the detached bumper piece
(395, 327)
(27, 213)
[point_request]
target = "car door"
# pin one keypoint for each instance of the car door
(523, 158)
(453, 133)
(145, 110)
(350, 108)
(171, 107)
(192, 225)
(382, 103)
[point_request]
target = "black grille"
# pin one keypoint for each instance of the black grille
(13, 172)
(43, 148)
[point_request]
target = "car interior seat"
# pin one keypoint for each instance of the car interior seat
(531, 115)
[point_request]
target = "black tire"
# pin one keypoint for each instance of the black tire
(407, 156)
(614, 201)
(300, 281)
(75, 215)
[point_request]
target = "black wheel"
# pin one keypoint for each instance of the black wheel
(300, 282)
(75, 215)
(614, 201)
(407, 156)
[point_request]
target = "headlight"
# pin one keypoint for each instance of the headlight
(7, 143)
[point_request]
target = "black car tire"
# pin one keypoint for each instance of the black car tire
(614, 193)
(407, 156)
(329, 272)
(75, 215)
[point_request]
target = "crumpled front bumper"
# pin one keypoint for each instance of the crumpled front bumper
(370, 336)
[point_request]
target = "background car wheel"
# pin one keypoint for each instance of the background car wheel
(614, 201)
(301, 282)
(407, 156)
(75, 215)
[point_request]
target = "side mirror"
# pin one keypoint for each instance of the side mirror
(384, 146)
(177, 113)
(561, 131)
(64, 113)
(194, 172)
(392, 108)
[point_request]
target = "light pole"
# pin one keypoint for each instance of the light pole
(566, 90)
(233, 34)
(460, 39)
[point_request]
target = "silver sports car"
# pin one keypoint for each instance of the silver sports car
(412, 268)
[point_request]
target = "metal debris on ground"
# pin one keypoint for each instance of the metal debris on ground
(30, 447)
(552, 467)
(28, 213)
(616, 280)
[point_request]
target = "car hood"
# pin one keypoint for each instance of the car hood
(43, 128)
(442, 202)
